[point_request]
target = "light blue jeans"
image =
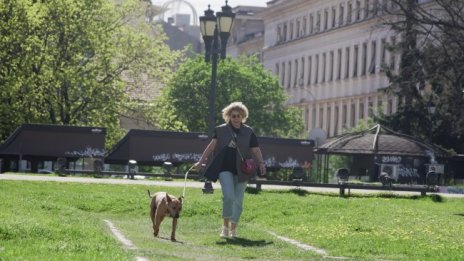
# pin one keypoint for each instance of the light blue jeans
(232, 195)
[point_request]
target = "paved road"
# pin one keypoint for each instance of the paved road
(180, 183)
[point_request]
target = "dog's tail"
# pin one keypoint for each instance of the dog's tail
(149, 193)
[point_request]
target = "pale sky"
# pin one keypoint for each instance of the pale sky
(202, 5)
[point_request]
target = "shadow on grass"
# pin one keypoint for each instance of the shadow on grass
(459, 214)
(169, 239)
(244, 242)
(251, 190)
(303, 193)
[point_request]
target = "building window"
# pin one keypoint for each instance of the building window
(370, 108)
(358, 10)
(313, 118)
(355, 60)
(349, 13)
(331, 66)
(373, 57)
(344, 116)
(361, 111)
(390, 107)
(392, 54)
(364, 59)
(367, 11)
(316, 72)
(311, 24)
(377, 6)
(329, 118)
(339, 64)
(309, 70)
(337, 109)
(326, 19)
(306, 118)
(302, 72)
(334, 17)
(347, 62)
(277, 69)
(353, 118)
(284, 33)
(305, 21)
(340, 15)
(289, 78)
(383, 51)
(291, 31)
(324, 64)
(282, 79)
(298, 28)
(295, 79)
(318, 22)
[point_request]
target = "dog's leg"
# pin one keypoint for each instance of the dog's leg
(153, 220)
(159, 216)
(174, 226)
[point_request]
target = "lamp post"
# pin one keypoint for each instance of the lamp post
(215, 30)
(431, 111)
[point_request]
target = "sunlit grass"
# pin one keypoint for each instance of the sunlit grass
(64, 221)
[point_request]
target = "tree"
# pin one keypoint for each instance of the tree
(14, 35)
(66, 59)
(431, 70)
(244, 80)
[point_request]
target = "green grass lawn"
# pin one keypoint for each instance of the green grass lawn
(64, 221)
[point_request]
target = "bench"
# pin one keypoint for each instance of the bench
(423, 189)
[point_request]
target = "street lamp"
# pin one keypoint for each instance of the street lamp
(431, 109)
(215, 27)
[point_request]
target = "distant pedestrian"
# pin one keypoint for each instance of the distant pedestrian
(222, 158)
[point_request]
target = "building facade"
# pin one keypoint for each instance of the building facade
(247, 36)
(330, 56)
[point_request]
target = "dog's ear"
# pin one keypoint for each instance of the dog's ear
(180, 199)
(168, 198)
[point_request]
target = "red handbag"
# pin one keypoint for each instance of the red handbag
(248, 166)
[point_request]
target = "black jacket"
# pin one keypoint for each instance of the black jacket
(224, 136)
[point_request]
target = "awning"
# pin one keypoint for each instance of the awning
(155, 147)
(49, 142)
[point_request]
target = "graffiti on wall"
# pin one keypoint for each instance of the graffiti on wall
(182, 157)
(88, 152)
(391, 159)
(194, 157)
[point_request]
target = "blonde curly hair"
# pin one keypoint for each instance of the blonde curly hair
(235, 106)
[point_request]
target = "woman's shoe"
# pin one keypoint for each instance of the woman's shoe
(224, 232)
(233, 233)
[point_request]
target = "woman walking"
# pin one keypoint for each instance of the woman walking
(231, 141)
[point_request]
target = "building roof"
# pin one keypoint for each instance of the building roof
(149, 147)
(383, 142)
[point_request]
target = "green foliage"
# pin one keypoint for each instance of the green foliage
(184, 102)
(362, 125)
(62, 62)
(431, 72)
(337, 162)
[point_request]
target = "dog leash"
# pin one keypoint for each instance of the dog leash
(185, 180)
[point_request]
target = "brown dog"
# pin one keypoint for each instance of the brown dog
(163, 205)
